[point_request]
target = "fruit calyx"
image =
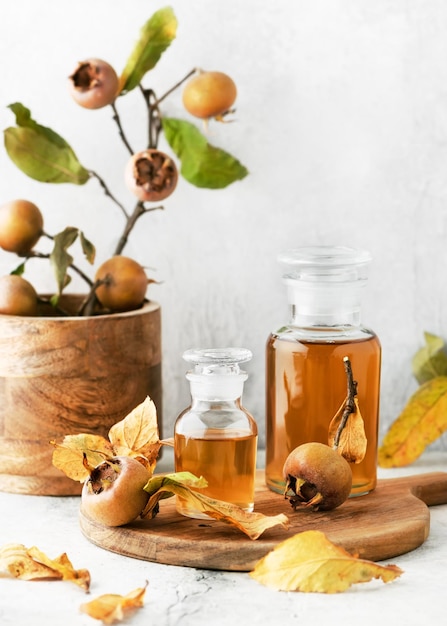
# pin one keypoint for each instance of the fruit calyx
(103, 475)
(85, 77)
(306, 493)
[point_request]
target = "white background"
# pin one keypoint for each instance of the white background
(342, 121)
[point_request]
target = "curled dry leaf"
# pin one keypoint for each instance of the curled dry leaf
(183, 485)
(69, 455)
(112, 607)
(309, 562)
(31, 564)
(136, 436)
(350, 441)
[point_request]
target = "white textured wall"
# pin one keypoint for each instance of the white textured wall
(342, 121)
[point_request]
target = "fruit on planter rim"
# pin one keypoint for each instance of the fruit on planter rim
(17, 296)
(21, 226)
(113, 495)
(124, 284)
(209, 94)
(318, 476)
(151, 175)
(93, 84)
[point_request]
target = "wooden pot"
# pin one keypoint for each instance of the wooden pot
(68, 375)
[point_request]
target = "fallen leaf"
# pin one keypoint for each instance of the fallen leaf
(422, 421)
(182, 484)
(309, 562)
(351, 443)
(137, 434)
(68, 456)
(112, 607)
(32, 564)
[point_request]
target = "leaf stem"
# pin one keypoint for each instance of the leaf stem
(350, 405)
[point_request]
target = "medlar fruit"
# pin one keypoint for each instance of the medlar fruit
(318, 476)
(94, 84)
(124, 284)
(17, 296)
(209, 94)
(151, 175)
(21, 225)
(113, 495)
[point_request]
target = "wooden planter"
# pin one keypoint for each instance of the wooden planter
(67, 375)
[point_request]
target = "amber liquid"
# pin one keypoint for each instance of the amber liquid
(227, 459)
(306, 384)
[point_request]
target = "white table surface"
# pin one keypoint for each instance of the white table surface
(186, 596)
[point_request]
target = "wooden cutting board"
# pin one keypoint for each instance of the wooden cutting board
(392, 520)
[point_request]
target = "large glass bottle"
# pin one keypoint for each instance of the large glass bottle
(216, 437)
(305, 375)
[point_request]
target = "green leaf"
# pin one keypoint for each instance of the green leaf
(422, 421)
(202, 164)
(19, 270)
(155, 37)
(431, 360)
(87, 248)
(59, 257)
(61, 260)
(41, 153)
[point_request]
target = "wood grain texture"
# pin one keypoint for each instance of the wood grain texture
(391, 520)
(67, 375)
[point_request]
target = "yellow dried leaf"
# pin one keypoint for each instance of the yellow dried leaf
(137, 434)
(309, 562)
(112, 607)
(422, 421)
(180, 483)
(352, 442)
(68, 455)
(31, 564)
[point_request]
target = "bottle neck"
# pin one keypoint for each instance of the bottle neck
(324, 305)
(216, 388)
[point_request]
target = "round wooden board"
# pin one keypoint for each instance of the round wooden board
(391, 520)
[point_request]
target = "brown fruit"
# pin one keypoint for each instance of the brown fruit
(125, 284)
(93, 84)
(113, 495)
(209, 94)
(21, 225)
(151, 175)
(318, 476)
(17, 296)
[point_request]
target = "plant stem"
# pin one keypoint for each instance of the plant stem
(152, 104)
(138, 211)
(117, 119)
(40, 255)
(176, 86)
(349, 405)
(108, 192)
(154, 119)
(90, 301)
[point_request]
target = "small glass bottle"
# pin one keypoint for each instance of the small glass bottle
(305, 376)
(216, 437)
